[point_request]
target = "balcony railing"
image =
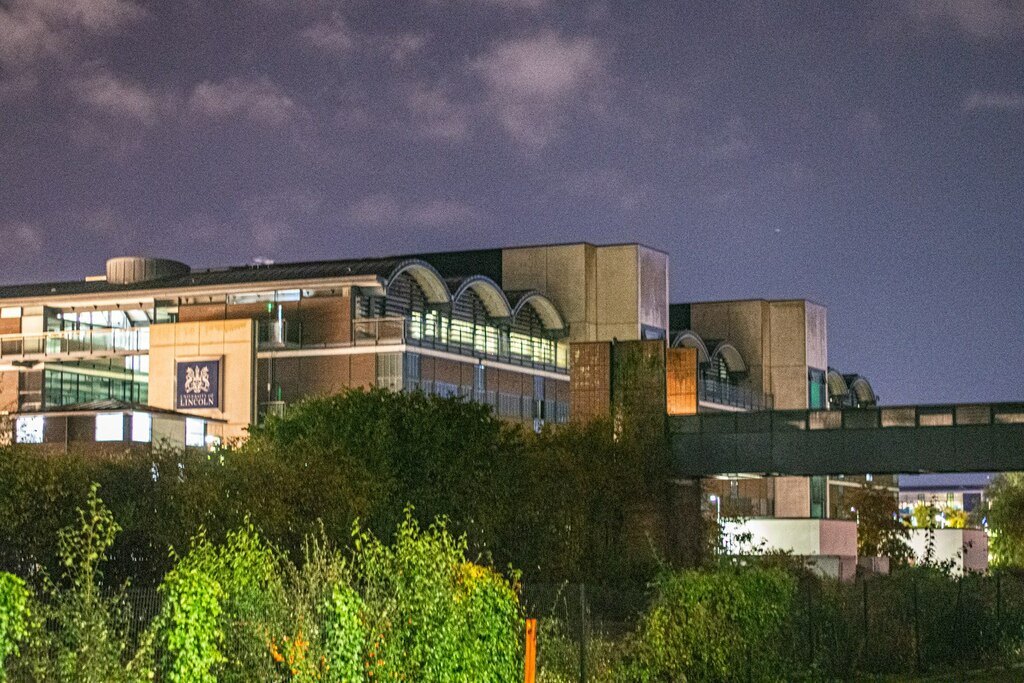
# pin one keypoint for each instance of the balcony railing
(713, 390)
(373, 331)
(74, 343)
(397, 330)
(279, 334)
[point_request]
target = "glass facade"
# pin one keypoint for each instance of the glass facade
(124, 379)
(466, 327)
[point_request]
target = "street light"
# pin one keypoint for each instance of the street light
(718, 505)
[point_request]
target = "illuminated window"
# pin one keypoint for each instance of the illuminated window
(195, 432)
(10, 312)
(29, 429)
(110, 427)
(142, 427)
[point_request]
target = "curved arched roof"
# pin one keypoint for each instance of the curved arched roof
(836, 384)
(429, 280)
(862, 390)
(490, 294)
(691, 340)
(733, 360)
(545, 308)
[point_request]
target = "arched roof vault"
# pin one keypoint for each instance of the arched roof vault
(490, 294)
(731, 355)
(836, 384)
(429, 280)
(545, 309)
(691, 340)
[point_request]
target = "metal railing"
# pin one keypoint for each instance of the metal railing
(398, 330)
(278, 334)
(713, 390)
(65, 343)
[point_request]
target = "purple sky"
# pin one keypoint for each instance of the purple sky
(867, 155)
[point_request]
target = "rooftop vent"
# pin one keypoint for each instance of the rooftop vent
(127, 270)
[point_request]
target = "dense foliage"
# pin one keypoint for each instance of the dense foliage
(412, 609)
(705, 626)
(567, 504)
(1006, 520)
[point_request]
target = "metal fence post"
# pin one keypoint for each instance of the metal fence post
(864, 645)
(583, 633)
(999, 604)
(917, 632)
(530, 664)
(810, 625)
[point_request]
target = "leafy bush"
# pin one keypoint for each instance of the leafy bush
(433, 616)
(706, 626)
(13, 617)
(251, 596)
(77, 633)
(189, 626)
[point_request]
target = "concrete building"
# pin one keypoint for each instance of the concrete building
(501, 326)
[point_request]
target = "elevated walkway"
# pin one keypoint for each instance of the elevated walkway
(889, 440)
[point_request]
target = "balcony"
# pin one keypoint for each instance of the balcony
(713, 390)
(278, 334)
(375, 331)
(103, 342)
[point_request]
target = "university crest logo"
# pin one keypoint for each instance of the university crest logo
(198, 384)
(197, 379)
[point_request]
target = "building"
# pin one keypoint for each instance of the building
(528, 330)
(481, 324)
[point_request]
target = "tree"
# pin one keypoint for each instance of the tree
(1006, 520)
(879, 529)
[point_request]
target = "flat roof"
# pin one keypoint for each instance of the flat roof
(480, 261)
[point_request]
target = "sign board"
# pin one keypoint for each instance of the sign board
(198, 384)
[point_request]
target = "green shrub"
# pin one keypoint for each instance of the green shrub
(189, 626)
(432, 617)
(345, 636)
(712, 626)
(77, 633)
(14, 615)
(248, 572)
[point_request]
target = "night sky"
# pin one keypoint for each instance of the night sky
(866, 155)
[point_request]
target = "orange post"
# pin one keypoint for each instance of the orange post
(531, 650)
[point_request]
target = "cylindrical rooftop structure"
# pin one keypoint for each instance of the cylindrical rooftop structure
(127, 270)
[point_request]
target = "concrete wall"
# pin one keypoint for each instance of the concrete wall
(967, 549)
(779, 341)
(604, 292)
(231, 340)
(798, 536)
(792, 496)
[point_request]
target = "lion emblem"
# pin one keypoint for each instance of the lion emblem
(197, 379)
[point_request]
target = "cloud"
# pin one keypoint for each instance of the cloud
(273, 219)
(382, 209)
(610, 185)
(735, 142)
(23, 237)
(993, 101)
(331, 35)
(531, 82)
(259, 100)
(105, 92)
(399, 48)
(34, 29)
(436, 115)
(980, 19)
